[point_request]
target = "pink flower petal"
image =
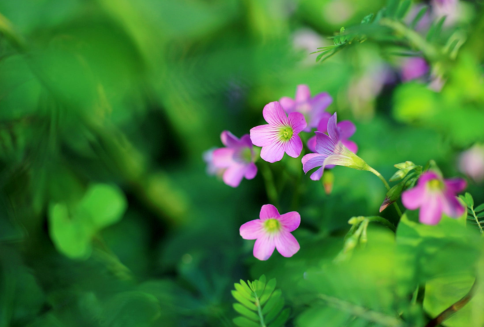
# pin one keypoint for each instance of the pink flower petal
(251, 171)
(251, 230)
(427, 176)
(316, 176)
(302, 93)
(272, 152)
(287, 104)
(346, 129)
(312, 160)
(229, 140)
(323, 123)
(245, 141)
(414, 198)
(431, 210)
(290, 221)
(263, 135)
(451, 205)
(332, 129)
(268, 211)
(234, 174)
(321, 101)
(274, 114)
(263, 247)
(455, 185)
(324, 144)
(223, 157)
(294, 146)
(350, 145)
(312, 144)
(297, 122)
(286, 244)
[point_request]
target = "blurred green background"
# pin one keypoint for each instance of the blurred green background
(107, 214)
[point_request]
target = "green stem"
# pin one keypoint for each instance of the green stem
(261, 316)
(269, 183)
(397, 208)
(413, 37)
(477, 220)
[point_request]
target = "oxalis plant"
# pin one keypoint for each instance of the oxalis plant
(427, 273)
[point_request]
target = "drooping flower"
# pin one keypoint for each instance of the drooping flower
(434, 195)
(311, 108)
(331, 151)
(281, 135)
(471, 163)
(345, 130)
(237, 159)
(272, 231)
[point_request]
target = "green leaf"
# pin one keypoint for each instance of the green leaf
(245, 287)
(275, 298)
(392, 7)
(244, 322)
(131, 309)
(469, 200)
(245, 312)
(72, 228)
(435, 29)
(418, 17)
(367, 19)
(271, 285)
(274, 311)
(403, 9)
(239, 297)
(281, 320)
(243, 292)
(479, 208)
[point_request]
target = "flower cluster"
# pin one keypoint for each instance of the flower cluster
(329, 146)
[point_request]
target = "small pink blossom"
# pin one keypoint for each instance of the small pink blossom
(237, 159)
(344, 128)
(272, 231)
(281, 135)
(331, 151)
(414, 68)
(311, 108)
(434, 195)
(471, 163)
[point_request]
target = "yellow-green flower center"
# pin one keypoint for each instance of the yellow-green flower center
(435, 185)
(272, 225)
(285, 133)
(246, 155)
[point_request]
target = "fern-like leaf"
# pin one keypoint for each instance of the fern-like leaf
(474, 215)
(259, 304)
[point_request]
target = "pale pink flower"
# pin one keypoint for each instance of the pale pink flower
(272, 231)
(434, 195)
(280, 135)
(237, 159)
(471, 163)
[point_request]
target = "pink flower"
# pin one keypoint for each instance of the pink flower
(311, 108)
(434, 195)
(414, 68)
(471, 163)
(344, 128)
(237, 158)
(272, 231)
(211, 168)
(281, 135)
(331, 151)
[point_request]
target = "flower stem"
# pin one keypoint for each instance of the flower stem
(269, 183)
(397, 208)
(453, 308)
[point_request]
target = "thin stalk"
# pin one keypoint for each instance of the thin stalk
(477, 220)
(269, 183)
(453, 308)
(261, 316)
(397, 208)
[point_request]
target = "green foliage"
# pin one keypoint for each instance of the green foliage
(475, 215)
(72, 227)
(260, 304)
(408, 181)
